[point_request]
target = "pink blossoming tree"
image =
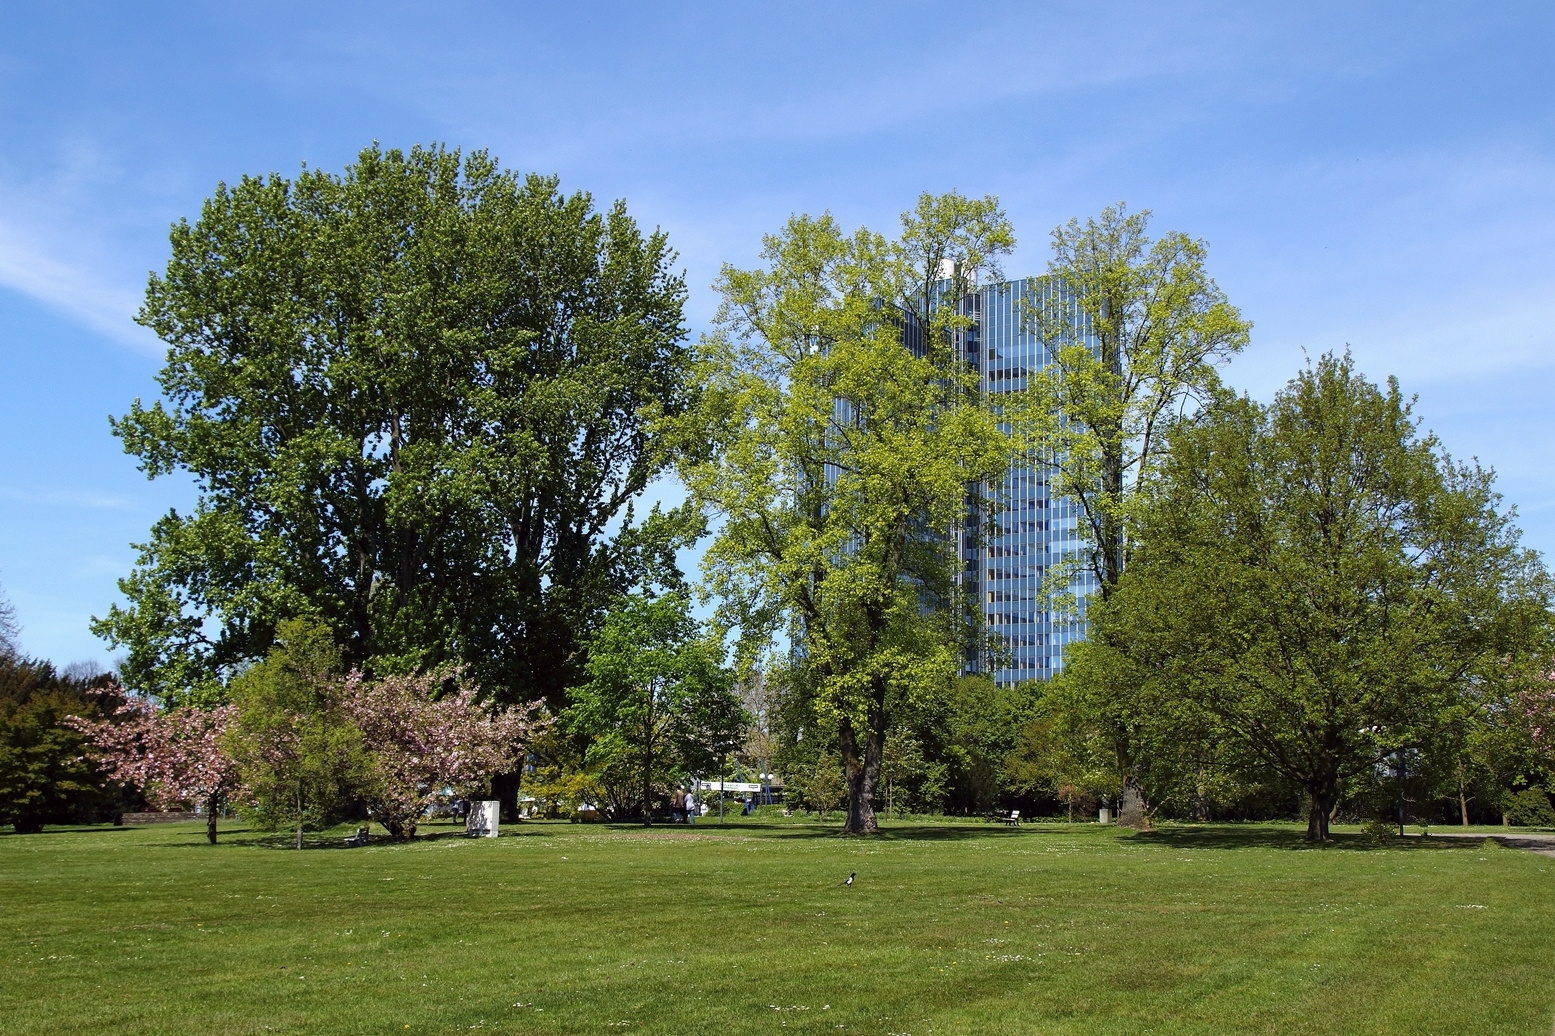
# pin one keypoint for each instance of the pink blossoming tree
(419, 743)
(1538, 704)
(174, 755)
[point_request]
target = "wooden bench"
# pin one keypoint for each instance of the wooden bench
(1012, 818)
(360, 838)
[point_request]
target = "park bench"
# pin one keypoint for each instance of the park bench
(360, 838)
(1012, 818)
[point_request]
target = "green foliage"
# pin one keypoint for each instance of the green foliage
(1314, 586)
(913, 784)
(413, 397)
(1054, 753)
(949, 751)
(561, 792)
(558, 777)
(1529, 807)
(1498, 754)
(1135, 328)
(839, 459)
(45, 776)
(825, 787)
(659, 703)
(1500, 742)
(1379, 830)
(299, 757)
(1096, 740)
(979, 731)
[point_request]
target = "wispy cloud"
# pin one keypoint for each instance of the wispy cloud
(88, 296)
(67, 498)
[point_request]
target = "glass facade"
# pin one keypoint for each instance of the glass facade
(1037, 537)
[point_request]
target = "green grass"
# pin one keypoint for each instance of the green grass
(746, 929)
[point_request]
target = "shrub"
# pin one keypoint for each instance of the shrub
(1528, 808)
(1379, 831)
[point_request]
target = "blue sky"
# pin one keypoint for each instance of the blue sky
(1378, 175)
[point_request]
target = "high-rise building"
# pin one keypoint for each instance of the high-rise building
(1038, 538)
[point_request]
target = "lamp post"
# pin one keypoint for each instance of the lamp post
(1403, 775)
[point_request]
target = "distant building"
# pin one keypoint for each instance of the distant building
(1008, 573)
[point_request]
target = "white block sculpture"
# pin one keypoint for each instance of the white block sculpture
(483, 818)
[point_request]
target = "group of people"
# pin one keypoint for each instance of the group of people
(683, 806)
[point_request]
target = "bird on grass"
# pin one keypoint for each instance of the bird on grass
(850, 878)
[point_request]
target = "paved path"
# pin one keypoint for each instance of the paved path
(1542, 844)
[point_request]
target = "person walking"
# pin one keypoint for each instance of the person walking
(691, 807)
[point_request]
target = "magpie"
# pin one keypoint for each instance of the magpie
(850, 878)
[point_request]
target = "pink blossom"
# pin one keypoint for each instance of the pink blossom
(174, 755)
(420, 743)
(1539, 709)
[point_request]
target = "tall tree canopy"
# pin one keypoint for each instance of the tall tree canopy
(413, 400)
(1134, 329)
(1318, 586)
(845, 431)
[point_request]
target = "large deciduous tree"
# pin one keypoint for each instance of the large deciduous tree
(1318, 586)
(1134, 328)
(412, 399)
(845, 430)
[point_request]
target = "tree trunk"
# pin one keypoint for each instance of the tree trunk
(863, 768)
(1132, 812)
(1319, 803)
(648, 788)
(861, 810)
(1463, 799)
(211, 805)
(504, 788)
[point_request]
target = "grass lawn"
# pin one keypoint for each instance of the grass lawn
(556, 928)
